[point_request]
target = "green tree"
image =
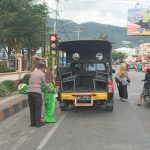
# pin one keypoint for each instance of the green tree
(22, 24)
(118, 56)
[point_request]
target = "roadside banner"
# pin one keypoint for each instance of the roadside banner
(138, 21)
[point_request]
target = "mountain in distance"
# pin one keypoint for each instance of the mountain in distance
(67, 30)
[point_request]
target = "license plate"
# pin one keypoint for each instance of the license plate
(83, 99)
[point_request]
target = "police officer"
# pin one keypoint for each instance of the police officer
(37, 78)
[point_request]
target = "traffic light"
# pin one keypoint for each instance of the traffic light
(53, 44)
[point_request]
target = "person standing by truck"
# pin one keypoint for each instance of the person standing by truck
(49, 98)
(122, 80)
(37, 78)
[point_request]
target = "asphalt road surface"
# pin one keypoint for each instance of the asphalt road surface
(126, 128)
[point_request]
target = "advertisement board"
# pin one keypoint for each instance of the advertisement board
(138, 21)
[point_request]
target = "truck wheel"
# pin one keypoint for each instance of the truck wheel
(110, 104)
(63, 106)
(109, 108)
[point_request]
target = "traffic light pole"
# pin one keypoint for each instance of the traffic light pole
(53, 63)
(53, 49)
(55, 25)
(56, 13)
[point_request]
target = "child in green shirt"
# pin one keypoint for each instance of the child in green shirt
(49, 98)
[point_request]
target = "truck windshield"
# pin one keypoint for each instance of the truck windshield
(90, 66)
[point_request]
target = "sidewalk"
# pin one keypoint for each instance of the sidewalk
(12, 104)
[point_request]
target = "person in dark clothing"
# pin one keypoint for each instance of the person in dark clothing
(128, 67)
(37, 78)
(147, 82)
(122, 81)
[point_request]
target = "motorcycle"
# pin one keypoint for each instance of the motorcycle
(146, 92)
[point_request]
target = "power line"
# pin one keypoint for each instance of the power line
(73, 12)
(55, 20)
(64, 29)
(115, 2)
(76, 8)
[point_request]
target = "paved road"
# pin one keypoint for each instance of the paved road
(126, 128)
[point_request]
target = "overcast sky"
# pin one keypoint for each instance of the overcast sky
(113, 12)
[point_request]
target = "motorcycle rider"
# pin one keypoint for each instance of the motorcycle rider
(147, 82)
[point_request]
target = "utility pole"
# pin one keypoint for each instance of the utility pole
(56, 13)
(78, 32)
(44, 47)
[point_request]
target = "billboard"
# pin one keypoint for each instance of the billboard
(138, 21)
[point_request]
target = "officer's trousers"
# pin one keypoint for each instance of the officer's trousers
(35, 105)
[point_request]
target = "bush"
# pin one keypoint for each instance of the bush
(25, 79)
(3, 90)
(11, 86)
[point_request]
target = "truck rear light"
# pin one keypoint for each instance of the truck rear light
(57, 84)
(110, 87)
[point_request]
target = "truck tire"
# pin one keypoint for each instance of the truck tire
(110, 104)
(109, 108)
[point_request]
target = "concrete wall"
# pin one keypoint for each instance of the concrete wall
(11, 105)
(12, 75)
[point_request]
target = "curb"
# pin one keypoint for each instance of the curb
(12, 105)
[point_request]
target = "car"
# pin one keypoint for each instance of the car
(87, 80)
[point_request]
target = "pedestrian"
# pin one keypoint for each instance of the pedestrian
(128, 67)
(49, 98)
(122, 80)
(145, 87)
(37, 78)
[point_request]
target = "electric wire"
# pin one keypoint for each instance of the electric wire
(72, 11)
(73, 7)
(64, 28)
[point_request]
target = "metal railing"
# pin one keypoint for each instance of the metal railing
(7, 65)
(26, 65)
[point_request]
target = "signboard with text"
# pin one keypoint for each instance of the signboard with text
(138, 21)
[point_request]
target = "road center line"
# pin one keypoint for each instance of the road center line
(51, 132)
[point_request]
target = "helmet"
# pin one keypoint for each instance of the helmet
(22, 88)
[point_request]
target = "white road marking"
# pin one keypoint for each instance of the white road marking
(51, 132)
